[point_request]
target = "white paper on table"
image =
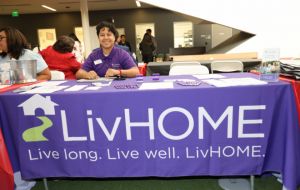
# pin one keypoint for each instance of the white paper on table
(48, 83)
(156, 85)
(244, 81)
(174, 80)
(292, 62)
(102, 84)
(215, 82)
(100, 79)
(93, 88)
(235, 82)
(44, 89)
(209, 76)
(76, 87)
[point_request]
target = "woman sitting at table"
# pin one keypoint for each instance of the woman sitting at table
(60, 57)
(14, 46)
(108, 60)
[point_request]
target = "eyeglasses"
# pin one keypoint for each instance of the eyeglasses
(2, 37)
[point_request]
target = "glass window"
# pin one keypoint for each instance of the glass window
(183, 34)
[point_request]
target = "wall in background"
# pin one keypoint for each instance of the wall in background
(64, 23)
(273, 22)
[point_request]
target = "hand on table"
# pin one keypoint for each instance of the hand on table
(92, 75)
(112, 72)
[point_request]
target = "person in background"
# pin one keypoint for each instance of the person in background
(147, 48)
(126, 48)
(102, 61)
(117, 44)
(60, 57)
(123, 42)
(153, 39)
(78, 49)
(13, 45)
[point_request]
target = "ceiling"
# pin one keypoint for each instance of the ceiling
(34, 6)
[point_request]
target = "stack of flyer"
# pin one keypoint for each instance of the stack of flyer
(290, 68)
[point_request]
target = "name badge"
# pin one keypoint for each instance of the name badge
(99, 61)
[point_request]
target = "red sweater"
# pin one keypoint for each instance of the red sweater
(65, 62)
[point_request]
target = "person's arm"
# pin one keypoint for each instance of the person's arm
(128, 44)
(43, 72)
(154, 42)
(44, 75)
(129, 73)
(127, 67)
(82, 74)
(152, 47)
(74, 64)
(87, 70)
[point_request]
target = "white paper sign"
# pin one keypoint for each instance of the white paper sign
(271, 54)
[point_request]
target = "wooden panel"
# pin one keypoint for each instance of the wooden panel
(247, 55)
(187, 51)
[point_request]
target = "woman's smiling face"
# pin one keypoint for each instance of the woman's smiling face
(106, 38)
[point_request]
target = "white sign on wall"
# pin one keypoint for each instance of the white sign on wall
(47, 37)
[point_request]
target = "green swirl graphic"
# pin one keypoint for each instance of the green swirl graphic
(35, 134)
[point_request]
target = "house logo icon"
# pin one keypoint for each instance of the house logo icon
(29, 106)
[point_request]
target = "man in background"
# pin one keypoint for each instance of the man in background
(123, 42)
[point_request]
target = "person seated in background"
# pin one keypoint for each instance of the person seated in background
(126, 48)
(102, 61)
(123, 42)
(14, 46)
(78, 49)
(117, 44)
(60, 57)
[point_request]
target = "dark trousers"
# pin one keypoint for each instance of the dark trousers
(147, 58)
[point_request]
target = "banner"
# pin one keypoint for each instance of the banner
(6, 173)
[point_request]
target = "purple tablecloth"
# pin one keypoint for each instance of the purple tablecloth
(183, 131)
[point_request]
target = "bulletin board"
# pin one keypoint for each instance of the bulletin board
(46, 37)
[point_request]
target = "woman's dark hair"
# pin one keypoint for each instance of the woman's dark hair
(74, 37)
(16, 42)
(64, 44)
(111, 27)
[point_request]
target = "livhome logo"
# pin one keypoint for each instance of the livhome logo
(118, 126)
(198, 121)
(35, 134)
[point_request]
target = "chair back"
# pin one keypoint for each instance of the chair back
(227, 66)
(187, 68)
(57, 75)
